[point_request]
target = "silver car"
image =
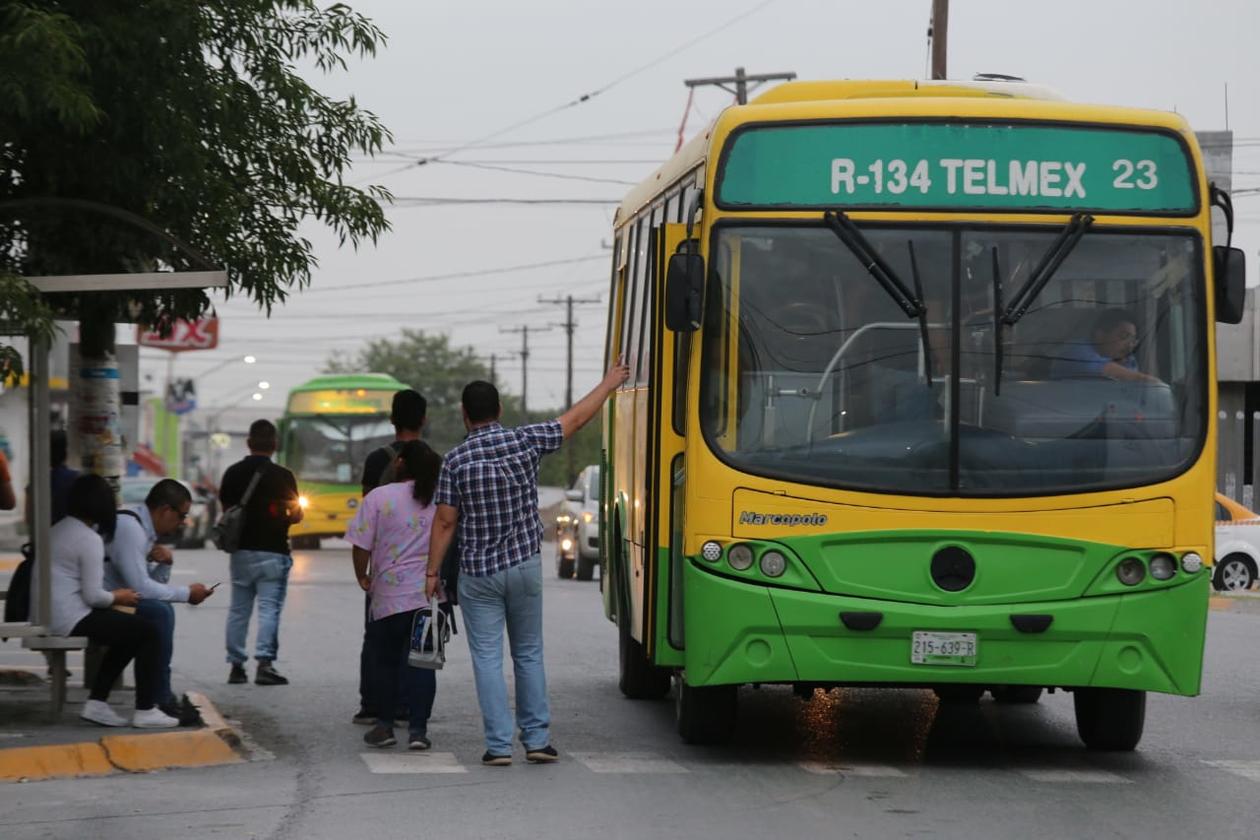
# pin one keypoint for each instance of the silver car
(577, 527)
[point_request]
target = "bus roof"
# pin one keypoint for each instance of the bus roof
(350, 381)
(783, 100)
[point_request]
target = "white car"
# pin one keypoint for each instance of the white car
(1237, 546)
(577, 527)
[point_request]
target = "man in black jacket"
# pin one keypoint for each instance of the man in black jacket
(260, 567)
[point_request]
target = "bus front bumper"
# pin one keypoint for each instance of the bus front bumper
(738, 633)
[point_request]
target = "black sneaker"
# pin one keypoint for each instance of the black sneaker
(379, 736)
(542, 755)
(363, 717)
(418, 742)
(182, 710)
(237, 675)
(268, 675)
(492, 760)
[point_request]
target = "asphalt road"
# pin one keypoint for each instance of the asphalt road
(851, 763)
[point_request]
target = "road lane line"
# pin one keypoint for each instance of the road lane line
(635, 762)
(1246, 769)
(828, 768)
(1083, 777)
(396, 763)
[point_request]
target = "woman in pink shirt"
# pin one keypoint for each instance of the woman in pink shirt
(390, 534)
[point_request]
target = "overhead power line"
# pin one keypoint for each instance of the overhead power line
(431, 278)
(534, 172)
(443, 201)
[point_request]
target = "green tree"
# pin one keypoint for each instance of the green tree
(439, 371)
(193, 117)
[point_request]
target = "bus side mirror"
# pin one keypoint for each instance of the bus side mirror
(1231, 283)
(684, 292)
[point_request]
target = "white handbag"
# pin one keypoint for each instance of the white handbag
(430, 631)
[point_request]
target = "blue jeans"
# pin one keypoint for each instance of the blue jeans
(162, 616)
(511, 598)
(263, 575)
(390, 639)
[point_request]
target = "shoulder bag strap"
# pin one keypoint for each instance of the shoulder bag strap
(253, 482)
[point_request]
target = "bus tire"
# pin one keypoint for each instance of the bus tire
(639, 679)
(585, 568)
(1016, 694)
(1110, 718)
(959, 695)
(564, 566)
(706, 714)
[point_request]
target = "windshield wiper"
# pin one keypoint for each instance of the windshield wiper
(923, 324)
(1050, 262)
(847, 232)
(997, 325)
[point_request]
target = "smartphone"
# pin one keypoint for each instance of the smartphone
(216, 586)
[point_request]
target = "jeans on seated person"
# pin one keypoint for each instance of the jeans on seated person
(263, 575)
(511, 598)
(161, 614)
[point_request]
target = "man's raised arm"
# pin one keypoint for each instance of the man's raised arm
(587, 407)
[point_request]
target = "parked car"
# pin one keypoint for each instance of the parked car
(1237, 546)
(196, 528)
(577, 527)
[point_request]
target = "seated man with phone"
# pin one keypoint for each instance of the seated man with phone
(134, 560)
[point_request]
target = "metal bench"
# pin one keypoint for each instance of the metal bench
(55, 647)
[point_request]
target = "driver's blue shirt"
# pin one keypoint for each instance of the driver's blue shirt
(1081, 359)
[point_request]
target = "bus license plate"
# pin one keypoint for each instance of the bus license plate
(943, 648)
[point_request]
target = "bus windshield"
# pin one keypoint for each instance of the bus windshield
(332, 448)
(813, 373)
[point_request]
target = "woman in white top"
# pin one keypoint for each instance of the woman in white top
(81, 606)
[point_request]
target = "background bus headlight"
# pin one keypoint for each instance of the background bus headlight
(1191, 562)
(711, 551)
(303, 502)
(1163, 566)
(1131, 571)
(740, 557)
(773, 564)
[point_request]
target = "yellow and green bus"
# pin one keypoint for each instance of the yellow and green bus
(921, 383)
(330, 425)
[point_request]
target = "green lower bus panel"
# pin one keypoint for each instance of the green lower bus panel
(740, 632)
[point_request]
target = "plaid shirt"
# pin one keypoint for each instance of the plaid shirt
(492, 479)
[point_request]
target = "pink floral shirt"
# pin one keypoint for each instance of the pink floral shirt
(395, 529)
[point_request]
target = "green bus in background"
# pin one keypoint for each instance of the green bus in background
(330, 425)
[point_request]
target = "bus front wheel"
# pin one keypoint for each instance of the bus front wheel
(1110, 718)
(706, 714)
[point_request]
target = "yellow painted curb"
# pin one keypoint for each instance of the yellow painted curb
(197, 748)
(54, 761)
(1217, 603)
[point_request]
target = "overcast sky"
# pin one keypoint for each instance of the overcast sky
(455, 72)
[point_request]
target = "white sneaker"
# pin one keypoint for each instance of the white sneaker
(153, 718)
(100, 712)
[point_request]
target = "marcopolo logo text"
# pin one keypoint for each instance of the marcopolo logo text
(748, 517)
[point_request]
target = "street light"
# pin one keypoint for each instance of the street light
(264, 385)
(257, 396)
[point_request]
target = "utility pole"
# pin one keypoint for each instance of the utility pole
(492, 359)
(938, 31)
(524, 330)
(568, 326)
(741, 81)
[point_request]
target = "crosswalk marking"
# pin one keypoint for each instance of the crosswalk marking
(1246, 769)
(1060, 776)
(604, 762)
(390, 763)
(874, 771)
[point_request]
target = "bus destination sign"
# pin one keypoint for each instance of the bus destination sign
(932, 165)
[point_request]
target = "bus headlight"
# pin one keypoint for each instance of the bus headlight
(740, 557)
(1131, 571)
(1191, 562)
(711, 551)
(773, 564)
(1163, 566)
(303, 502)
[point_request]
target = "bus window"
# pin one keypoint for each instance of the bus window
(673, 208)
(617, 299)
(627, 296)
(649, 308)
(639, 273)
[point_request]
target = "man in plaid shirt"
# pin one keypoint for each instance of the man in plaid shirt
(489, 490)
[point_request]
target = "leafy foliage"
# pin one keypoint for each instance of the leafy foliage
(439, 371)
(192, 116)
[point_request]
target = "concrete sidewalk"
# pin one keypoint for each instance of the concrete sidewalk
(32, 748)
